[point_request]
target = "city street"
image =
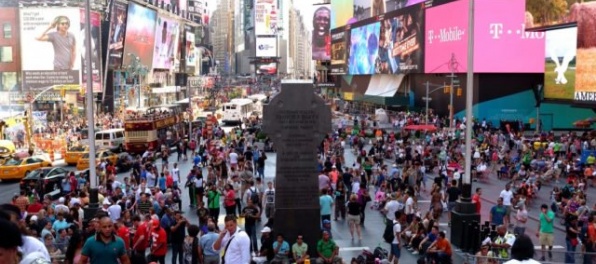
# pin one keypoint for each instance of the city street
(374, 224)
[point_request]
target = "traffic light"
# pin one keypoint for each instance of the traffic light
(459, 92)
(447, 89)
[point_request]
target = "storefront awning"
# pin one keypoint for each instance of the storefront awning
(384, 85)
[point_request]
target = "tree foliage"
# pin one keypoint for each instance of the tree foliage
(548, 12)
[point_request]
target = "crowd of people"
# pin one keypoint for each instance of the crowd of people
(141, 216)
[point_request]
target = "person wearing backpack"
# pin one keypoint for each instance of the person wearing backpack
(253, 195)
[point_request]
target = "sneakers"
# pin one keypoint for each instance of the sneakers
(415, 253)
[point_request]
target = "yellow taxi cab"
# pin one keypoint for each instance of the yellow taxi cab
(74, 153)
(18, 168)
(83, 162)
(7, 148)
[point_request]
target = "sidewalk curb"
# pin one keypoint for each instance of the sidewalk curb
(529, 216)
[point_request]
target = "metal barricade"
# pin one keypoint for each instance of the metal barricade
(557, 257)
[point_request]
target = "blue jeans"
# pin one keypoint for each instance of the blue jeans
(252, 234)
(570, 254)
(177, 251)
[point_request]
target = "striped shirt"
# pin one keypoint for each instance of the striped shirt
(144, 207)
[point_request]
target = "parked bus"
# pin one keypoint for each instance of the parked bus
(235, 111)
(151, 128)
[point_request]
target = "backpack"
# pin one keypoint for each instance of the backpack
(380, 253)
(254, 196)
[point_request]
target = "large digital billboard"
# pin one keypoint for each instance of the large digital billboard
(117, 30)
(339, 50)
(560, 63)
(341, 12)
(190, 49)
(166, 43)
(501, 43)
(50, 47)
(364, 49)
(265, 17)
(446, 41)
(401, 41)
(267, 68)
(321, 41)
(266, 47)
(140, 38)
(95, 19)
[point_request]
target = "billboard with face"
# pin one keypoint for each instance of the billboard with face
(321, 40)
(117, 30)
(265, 17)
(50, 47)
(95, 51)
(166, 43)
(139, 40)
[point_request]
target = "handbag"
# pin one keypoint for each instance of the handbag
(574, 241)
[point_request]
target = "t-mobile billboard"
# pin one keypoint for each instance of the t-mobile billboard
(501, 44)
(446, 38)
(501, 41)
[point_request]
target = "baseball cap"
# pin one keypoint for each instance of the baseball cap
(326, 221)
(266, 230)
(155, 223)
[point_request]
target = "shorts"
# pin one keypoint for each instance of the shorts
(507, 210)
(395, 250)
(546, 239)
(451, 206)
(353, 219)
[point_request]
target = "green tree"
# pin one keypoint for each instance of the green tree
(548, 12)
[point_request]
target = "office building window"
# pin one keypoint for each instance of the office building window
(6, 54)
(7, 28)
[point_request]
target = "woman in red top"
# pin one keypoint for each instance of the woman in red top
(159, 245)
(230, 199)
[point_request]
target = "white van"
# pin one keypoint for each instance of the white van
(112, 139)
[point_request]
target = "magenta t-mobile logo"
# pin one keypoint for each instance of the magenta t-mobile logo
(446, 34)
(497, 30)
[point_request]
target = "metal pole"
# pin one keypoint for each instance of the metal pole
(93, 195)
(538, 119)
(427, 99)
(467, 180)
(189, 111)
(451, 125)
(139, 95)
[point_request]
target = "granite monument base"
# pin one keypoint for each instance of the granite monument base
(294, 222)
(465, 225)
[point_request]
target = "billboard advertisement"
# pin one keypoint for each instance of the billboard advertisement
(267, 68)
(560, 63)
(342, 12)
(321, 40)
(139, 38)
(501, 43)
(446, 42)
(166, 43)
(265, 17)
(364, 49)
(363, 9)
(339, 51)
(117, 30)
(95, 19)
(50, 47)
(401, 41)
(266, 47)
(190, 49)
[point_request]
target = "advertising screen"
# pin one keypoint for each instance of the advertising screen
(363, 9)
(501, 42)
(190, 50)
(50, 47)
(117, 30)
(341, 12)
(139, 37)
(267, 68)
(265, 17)
(446, 42)
(166, 43)
(364, 49)
(560, 63)
(95, 19)
(339, 50)
(266, 47)
(401, 48)
(321, 40)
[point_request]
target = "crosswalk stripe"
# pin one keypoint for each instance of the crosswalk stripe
(353, 248)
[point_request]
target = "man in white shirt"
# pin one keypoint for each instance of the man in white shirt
(176, 174)
(60, 207)
(507, 196)
(395, 244)
(410, 210)
(114, 210)
(391, 207)
(234, 242)
(269, 200)
(233, 156)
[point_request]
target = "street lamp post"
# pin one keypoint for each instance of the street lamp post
(136, 69)
(427, 99)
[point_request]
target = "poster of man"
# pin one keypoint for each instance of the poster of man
(50, 47)
(117, 30)
(321, 39)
